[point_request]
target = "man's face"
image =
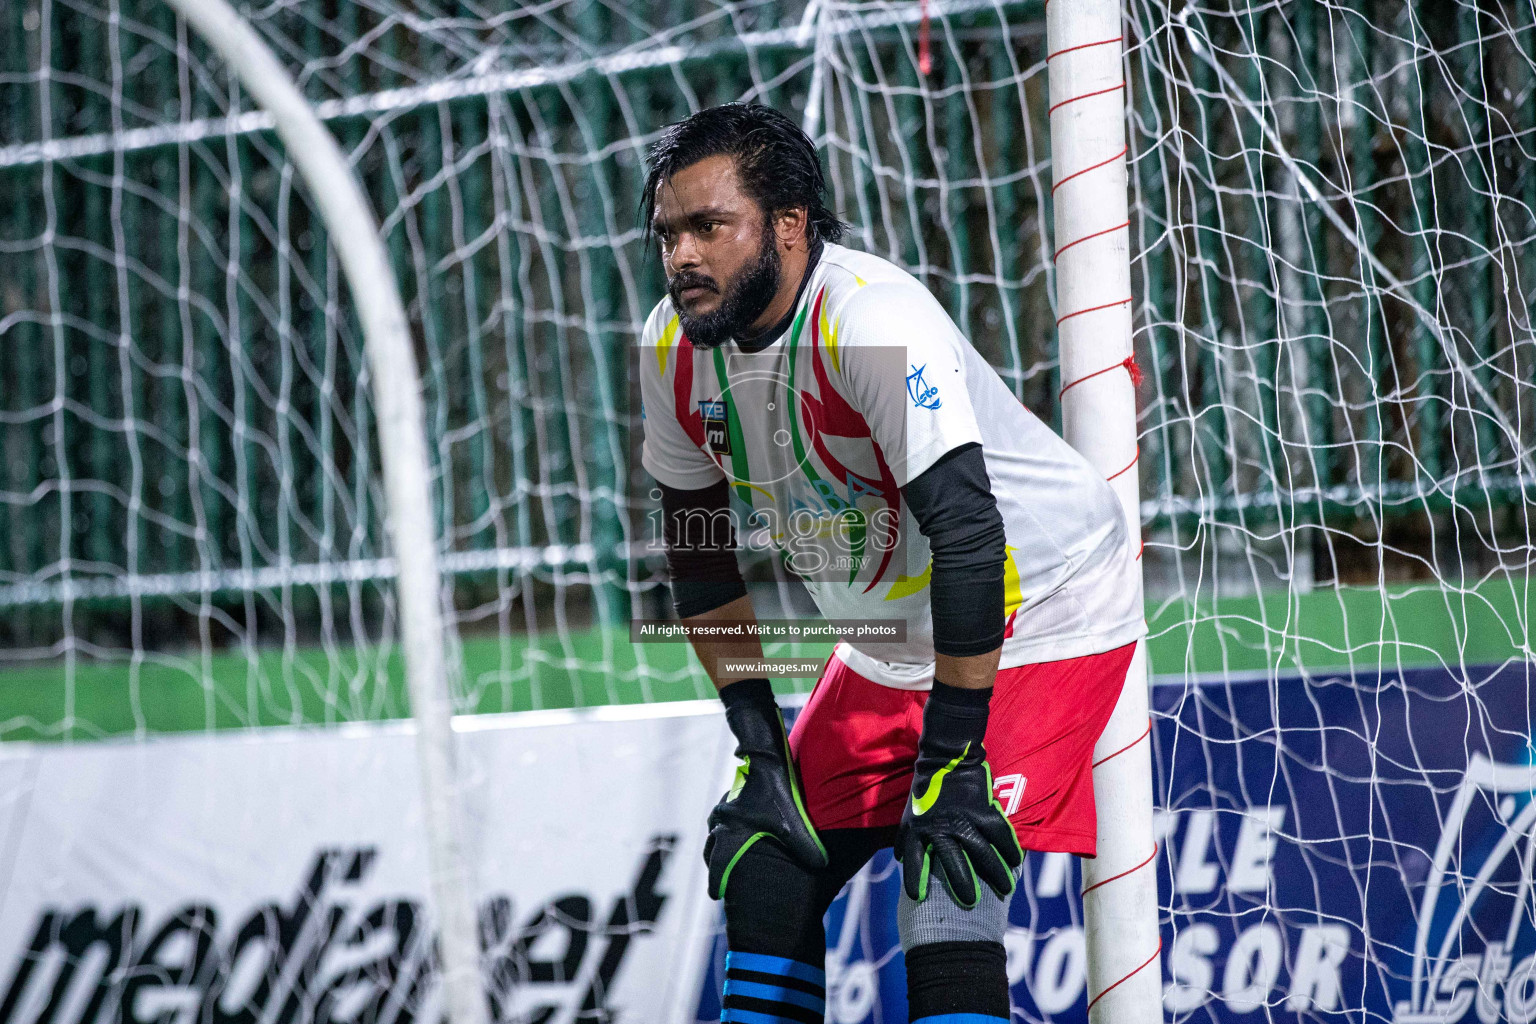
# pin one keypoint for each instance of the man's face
(718, 249)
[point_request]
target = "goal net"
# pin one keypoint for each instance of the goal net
(1333, 235)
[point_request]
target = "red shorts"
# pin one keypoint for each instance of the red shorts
(856, 740)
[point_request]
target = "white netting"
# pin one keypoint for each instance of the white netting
(1334, 254)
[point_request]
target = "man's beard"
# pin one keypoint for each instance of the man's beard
(743, 302)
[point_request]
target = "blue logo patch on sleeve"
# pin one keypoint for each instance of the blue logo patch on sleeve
(924, 395)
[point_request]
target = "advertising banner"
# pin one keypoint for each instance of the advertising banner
(1352, 842)
(1358, 844)
(281, 875)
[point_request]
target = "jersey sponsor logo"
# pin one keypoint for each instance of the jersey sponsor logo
(716, 434)
(1474, 956)
(924, 395)
(1009, 790)
(823, 498)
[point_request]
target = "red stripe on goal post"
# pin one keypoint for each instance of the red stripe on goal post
(1128, 465)
(1128, 977)
(1128, 746)
(1093, 309)
(1128, 871)
(1090, 167)
(1129, 362)
(1084, 96)
(1085, 238)
(1082, 46)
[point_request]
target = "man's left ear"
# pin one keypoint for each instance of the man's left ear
(790, 226)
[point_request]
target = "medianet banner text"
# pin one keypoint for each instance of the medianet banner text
(1353, 843)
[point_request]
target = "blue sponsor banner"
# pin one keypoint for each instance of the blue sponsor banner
(1350, 845)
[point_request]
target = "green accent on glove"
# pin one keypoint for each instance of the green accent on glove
(740, 782)
(953, 824)
(764, 801)
(921, 804)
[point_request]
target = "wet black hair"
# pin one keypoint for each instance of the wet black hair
(775, 160)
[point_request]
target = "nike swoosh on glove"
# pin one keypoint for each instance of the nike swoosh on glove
(952, 818)
(764, 802)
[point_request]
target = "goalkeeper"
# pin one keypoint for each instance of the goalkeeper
(828, 395)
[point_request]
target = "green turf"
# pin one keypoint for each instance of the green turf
(97, 697)
(160, 693)
(1402, 626)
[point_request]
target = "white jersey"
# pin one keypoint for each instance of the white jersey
(871, 384)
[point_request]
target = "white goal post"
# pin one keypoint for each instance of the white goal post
(403, 453)
(1087, 96)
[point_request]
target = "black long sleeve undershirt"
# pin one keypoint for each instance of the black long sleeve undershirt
(953, 504)
(954, 508)
(700, 539)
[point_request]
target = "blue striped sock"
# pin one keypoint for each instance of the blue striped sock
(762, 989)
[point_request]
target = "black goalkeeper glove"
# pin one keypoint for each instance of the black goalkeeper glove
(952, 816)
(764, 801)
